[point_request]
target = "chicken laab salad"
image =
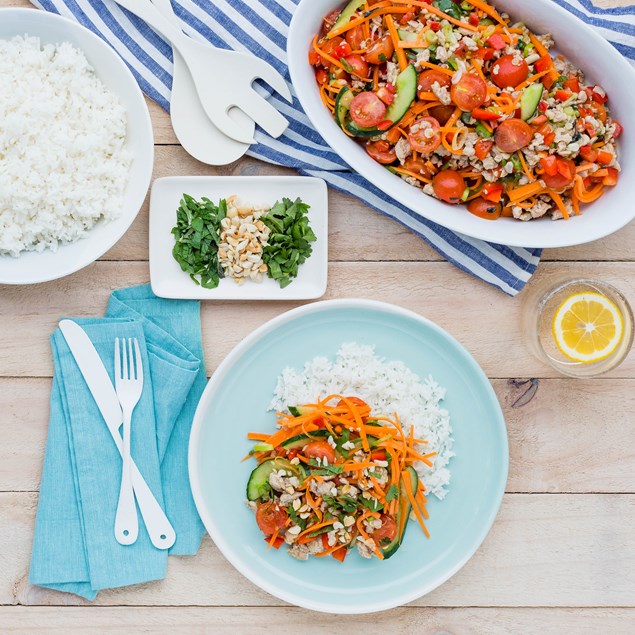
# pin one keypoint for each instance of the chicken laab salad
(336, 476)
(468, 105)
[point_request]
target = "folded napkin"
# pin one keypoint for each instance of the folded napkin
(261, 28)
(74, 547)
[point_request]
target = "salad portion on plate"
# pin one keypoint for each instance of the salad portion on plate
(468, 105)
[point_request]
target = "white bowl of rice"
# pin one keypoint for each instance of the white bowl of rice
(76, 147)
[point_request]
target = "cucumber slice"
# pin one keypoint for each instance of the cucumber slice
(297, 411)
(347, 13)
(263, 447)
(406, 91)
(258, 484)
(408, 36)
(404, 510)
(529, 101)
(300, 440)
(342, 106)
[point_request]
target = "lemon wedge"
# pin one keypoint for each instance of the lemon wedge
(587, 327)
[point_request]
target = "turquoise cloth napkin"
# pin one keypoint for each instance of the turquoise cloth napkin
(74, 547)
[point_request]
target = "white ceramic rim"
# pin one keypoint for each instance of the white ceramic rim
(147, 177)
(495, 232)
(212, 386)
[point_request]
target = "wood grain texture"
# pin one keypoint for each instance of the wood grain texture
(559, 441)
(284, 621)
(482, 318)
(582, 544)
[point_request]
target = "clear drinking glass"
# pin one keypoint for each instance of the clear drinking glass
(540, 306)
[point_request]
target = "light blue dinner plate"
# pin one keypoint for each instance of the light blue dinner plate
(236, 401)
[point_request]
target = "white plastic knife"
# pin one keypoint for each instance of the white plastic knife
(160, 530)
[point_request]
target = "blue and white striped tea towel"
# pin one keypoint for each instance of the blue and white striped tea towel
(260, 27)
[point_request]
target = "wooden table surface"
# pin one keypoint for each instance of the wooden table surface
(560, 558)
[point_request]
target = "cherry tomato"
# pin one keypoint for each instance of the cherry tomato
(292, 453)
(380, 50)
(381, 151)
(356, 65)
(343, 50)
(484, 209)
(418, 166)
(572, 84)
(469, 92)
(426, 136)
(449, 186)
(482, 148)
(378, 455)
(597, 110)
(321, 75)
(330, 45)
(492, 192)
(597, 94)
(512, 135)
(441, 113)
(563, 176)
(588, 153)
(406, 17)
(367, 110)
(509, 70)
(329, 20)
(270, 517)
(387, 532)
(355, 37)
(427, 79)
(619, 129)
(473, 19)
(496, 41)
(386, 95)
(320, 450)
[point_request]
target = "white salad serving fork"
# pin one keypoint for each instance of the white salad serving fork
(128, 386)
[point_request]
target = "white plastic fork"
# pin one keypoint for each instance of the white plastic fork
(128, 386)
(223, 79)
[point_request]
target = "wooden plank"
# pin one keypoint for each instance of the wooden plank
(488, 325)
(559, 442)
(290, 621)
(544, 550)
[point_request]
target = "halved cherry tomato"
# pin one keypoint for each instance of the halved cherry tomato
(483, 148)
(484, 209)
(469, 92)
(449, 186)
(387, 532)
(329, 20)
(604, 157)
(492, 192)
(565, 171)
(513, 134)
(356, 65)
(549, 165)
(442, 113)
(378, 455)
(381, 151)
(367, 110)
(509, 70)
(380, 51)
(426, 136)
(485, 115)
(496, 42)
(330, 45)
(270, 517)
(562, 95)
(427, 79)
(588, 153)
(597, 110)
(343, 50)
(321, 76)
(418, 166)
(355, 37)
(320, 450)
(386, 95)
(619, 129)
(572, 84)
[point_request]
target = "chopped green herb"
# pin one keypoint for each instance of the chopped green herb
(392, 493)
(197, 237)
(289, 242)
(447, 6)
(300, 522)
(482, 131)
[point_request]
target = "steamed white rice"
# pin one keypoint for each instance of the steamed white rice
(63, 161)
(387, 387)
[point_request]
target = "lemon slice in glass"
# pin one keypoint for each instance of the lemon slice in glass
(588, 327)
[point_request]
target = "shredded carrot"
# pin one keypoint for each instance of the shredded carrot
(392, 29)
(486, 8)
(524, 191)
(274, 537)
(437, 12)
(530, 175)
(557, 199)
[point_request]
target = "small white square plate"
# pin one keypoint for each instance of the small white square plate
(169, 281)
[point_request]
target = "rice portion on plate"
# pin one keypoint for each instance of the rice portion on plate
(387, 387)
(63, 161)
